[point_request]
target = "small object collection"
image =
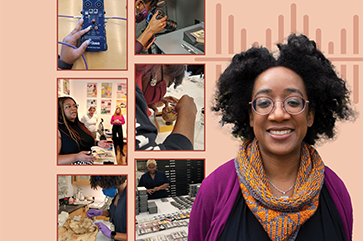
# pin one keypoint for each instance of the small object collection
(193, 190)
(177, 236)
(182, 203)
(163, 222)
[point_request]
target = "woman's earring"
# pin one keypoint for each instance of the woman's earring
(153, 81)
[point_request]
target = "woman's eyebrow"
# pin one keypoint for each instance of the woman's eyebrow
(263, 91)
(293, 90)
(289, 90)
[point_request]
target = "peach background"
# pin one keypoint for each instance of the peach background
(28, 171)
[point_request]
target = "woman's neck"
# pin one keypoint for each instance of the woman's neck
(281, 168)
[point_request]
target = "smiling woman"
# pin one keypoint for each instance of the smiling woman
(277, 188)
(74, 139)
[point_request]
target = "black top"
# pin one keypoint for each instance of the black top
(325, 224)
(118, 214)
(69, 146)
(149, 183)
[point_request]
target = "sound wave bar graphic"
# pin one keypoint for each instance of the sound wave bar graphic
(353, 58)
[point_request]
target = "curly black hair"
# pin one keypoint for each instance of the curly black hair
(327, 93)
(105, 182)
(153, 2)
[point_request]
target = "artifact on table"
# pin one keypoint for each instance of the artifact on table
(168, 114)
(78, 229)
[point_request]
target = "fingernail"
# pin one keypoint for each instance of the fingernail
(89, 27)
(89, 41)
(82, 17)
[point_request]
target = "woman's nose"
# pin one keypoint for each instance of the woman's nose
(279, 113)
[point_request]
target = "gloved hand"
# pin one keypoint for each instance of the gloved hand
(104, 229)
(94, 212)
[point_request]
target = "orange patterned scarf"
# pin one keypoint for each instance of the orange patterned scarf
(281, 218)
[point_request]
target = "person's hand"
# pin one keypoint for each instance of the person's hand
(68, 54)
(150, 191)
(94, 212)
(186, 106)
(164, 101)
(104, 229)
(85, 157)
(103, 144)
(170, 99)
(155, 189)
(156, 25)
(149, 43)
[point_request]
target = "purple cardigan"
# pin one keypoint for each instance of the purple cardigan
(218, 194)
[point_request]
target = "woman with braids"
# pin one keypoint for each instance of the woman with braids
(277, 187)
(74, 139)
(151, 83)
(113, 187)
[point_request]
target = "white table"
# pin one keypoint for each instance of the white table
(170, 43)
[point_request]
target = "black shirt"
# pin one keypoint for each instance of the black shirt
(118, 214)
(149, 183)
(69, 146)
(325, 224)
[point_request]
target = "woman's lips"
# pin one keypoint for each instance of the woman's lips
(280, 134)
(275, 132)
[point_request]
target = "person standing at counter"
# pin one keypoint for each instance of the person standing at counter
(90, 120)
(154, 181)
(117, 121)
(151, 84)
(114, 187)
(74, 139)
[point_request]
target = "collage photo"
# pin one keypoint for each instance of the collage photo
(187, 120)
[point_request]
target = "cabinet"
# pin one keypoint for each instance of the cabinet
(81, 180)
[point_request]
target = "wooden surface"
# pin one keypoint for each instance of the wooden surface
(77, 180)
(121, 160)
(79, 212)
(115, 56)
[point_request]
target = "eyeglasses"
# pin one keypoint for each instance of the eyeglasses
(293, 105)
(70, 106)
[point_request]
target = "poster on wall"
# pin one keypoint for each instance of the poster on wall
(59, 88)
(121, 90)
(91, 90)
(92, 102)
(106, 90)
(66, 90)
(105, 107)
(121, 103)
